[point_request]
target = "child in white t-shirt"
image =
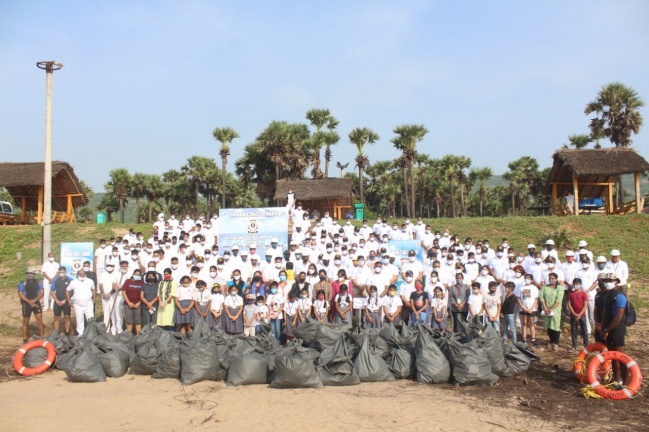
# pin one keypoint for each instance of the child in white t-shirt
(250, 316)
(392, 306)
(262, 313)
(438, 309)
(321, 307)
(275, 302)
(492, 305)
(476, 303)
(214, 318)
(303, 307)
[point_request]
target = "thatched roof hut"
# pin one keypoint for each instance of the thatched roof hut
(334, 195)
(24, 182)
(592, 173)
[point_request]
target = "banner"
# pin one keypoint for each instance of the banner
(400, 249)
(74, 254)
(243, 227)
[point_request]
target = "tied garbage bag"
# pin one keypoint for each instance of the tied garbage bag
(62, 343)
(248, 368)
(199, 361)
(378, 345)
(84, 366)
(391, 335)
(408, 338)
(114, 357)
(402, 363)
(371, 367)
(307, 331)
(35, 357)
(148, 346)
(528, 351)
(489, 340)
(295, 368)
(469, 363)
(168, 365)
(327, 335)
(431, 364)
(335, 365)
(516, 361)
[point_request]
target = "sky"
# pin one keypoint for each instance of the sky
(144, 83)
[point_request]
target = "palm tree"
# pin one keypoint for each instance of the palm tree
(154, 189)
(579, 141)
(408, 135)
(197, 170)
(224, 135)
(617, 114)
(481, 175)
(275, 140)
(138, 184)
(523, 176)
(170, 179)
(361, 137)
(463, 163)
(450, 164)
(119, 184)
(330, 138)
(318, 118)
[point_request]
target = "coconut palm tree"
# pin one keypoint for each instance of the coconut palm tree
(579, 141)
(196, 170)
(463, 163)
(318, 118)
(224, 135)
(170, 179)
(408, 135)
(481, 175)
(450, 164)
(330, 138)
(138, 185)
(361, 137)
(119, 185)
(617, 114)
(153, 190)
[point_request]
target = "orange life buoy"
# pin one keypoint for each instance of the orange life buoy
(634, 370)
(580, 367)
(20, 354)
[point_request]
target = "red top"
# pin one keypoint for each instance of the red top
(577, 300)
(132, 289)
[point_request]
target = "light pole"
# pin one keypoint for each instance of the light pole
(49, 67)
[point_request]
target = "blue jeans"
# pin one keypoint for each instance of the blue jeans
(414, 321)
(509, 323)
(495, 325)
(258, 329)
(276, 329)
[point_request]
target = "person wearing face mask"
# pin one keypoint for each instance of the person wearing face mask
(499, 265)
(578, 307)
(202, 297)
(275, 302)
(535, 268)
(61, 305)
(149, 298)
(471, 267)
(458, 297)
(215, 309)
(184, 301)
(406, 289)
(81, 293)
(611, 320)
(419, 304)
(237, 281)
(392, 306)
(551, 263)
(166, 306)
(300, 284)
(49, 269)
(283, 286)
(304, 306)
(484, 279)
(492, 306)
(620, 268)
(335, 289)
(30, 292)
(132, 293)
(324, 284)
(551, 298)
(100, 255)
(373, 310)
(413, 265)
(589, 285)
(528, 300)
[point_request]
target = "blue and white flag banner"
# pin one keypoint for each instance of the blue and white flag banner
(243, 227)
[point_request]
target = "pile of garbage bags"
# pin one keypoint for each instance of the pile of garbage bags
(320, 355)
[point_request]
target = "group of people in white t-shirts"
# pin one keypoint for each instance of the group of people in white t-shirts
(331, 272)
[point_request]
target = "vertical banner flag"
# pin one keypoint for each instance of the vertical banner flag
(74, 254)
(245, 226)
(400, 249)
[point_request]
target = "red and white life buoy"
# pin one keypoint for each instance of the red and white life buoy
(20, 355)
(627, 392)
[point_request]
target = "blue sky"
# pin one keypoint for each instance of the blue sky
(144, 83)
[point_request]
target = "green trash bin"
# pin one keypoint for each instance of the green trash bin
(360, 211)
(101, 218)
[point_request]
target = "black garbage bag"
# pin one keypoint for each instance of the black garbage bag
(248, 368)
(431, 364)
(148, 346)
(516, 361)
(65, 358)
(93, 329)
(199, 361)
(218, 336)
(35, 357)
(391, 336)
(378, 345)
(407, 338)
(402, 363)
(307, 331)
(327, 335)
(295, 368)
(233, 346)
(528, 351)
(371, 367)
(114, 357)
(464, 329)
(335, 365)
(127, 339)
(489, 340)
(62, 343)
(470, 364)
(168, 365)
(84, 366)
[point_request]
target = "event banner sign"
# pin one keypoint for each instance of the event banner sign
(400, 249)
(74, 254)
(243, 227)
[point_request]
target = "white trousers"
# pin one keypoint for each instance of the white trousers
(82, 312)
(48, 301)
(590, 322)
(116, 319)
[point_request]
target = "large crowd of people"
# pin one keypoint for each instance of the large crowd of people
(334, 272)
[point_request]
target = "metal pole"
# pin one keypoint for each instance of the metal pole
(50, 67)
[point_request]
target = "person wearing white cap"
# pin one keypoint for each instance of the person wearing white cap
(583, 251)
(275, 249)
(529, 258)
(160, 223)
(601, 263)
(570, 268)
(30, 292)
(549, 250)
(589, 284)
(621, 269)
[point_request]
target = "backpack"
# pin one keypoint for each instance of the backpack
(629, 311)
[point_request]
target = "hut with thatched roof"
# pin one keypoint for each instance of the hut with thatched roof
(334, 195)
(24, 182)
(593, 173)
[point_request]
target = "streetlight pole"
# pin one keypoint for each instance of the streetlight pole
(49, 67)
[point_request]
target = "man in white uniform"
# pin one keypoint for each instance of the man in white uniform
(108, 290)
(621, 269)
(83, 291)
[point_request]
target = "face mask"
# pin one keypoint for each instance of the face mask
(577, 287)
(86, 269)
(492, 292)
(273, 290)
(471, 260)
(550, 265)
(337, 262)
(83, 278)
(458, 270)
(199, 265)
(609, 285)
(537, 260)
(601, 266)
(528, 281)
(411, 259)
(233, 293)
(485, 272)
(391, 293)
(282, 278)
(194, 275)
(151, 281)
(134, 257)
(212, 274)
(512, 265)
(361, 263)
(110, 269)
(167, 277)
(378, 270)
(433, 279)
(518, 274)
(124, 270)
(484, 256)
(50, 259)
(585, 266)
(226, 257)
(409, 278)
(137, 277)
(323, 278)
(444, 254)
(237, 277)
(304, 296)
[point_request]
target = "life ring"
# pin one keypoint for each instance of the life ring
(627, 392)
(20, 354)
(580, 367)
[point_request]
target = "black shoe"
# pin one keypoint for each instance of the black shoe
(25, 341)
(534, 342)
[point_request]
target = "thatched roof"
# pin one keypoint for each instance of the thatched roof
(592, 166)
(24, 179)
(329, 188)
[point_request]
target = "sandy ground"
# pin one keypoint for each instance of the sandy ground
(121, 404)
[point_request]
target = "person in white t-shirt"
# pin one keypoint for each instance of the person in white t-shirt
(492, 305)
(82, 290)
(50, 270)
(528, 301)
(392, 306)
(476, 302)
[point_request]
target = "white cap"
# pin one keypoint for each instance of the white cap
(570, 253)
(615, 252)
(274, 240)
(244, 252)
(268, 252)
(582, 243)
(253, 246)
(235, 247)
(293, 243)
(601, 258)
(549, 242)
(306, 252)
(531, 246)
